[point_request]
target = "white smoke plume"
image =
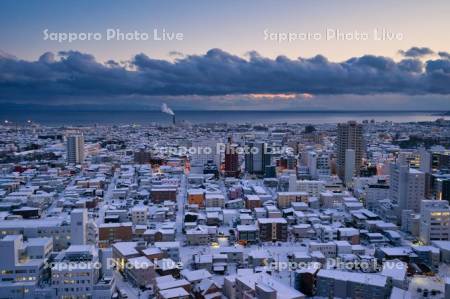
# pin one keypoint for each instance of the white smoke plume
(166, 109)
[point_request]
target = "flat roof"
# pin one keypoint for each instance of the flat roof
(174, 293)
(271, 220)
(362, 278)
(283, 291)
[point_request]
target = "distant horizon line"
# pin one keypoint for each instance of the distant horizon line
(8, 106)
(143, 108)
(223, 110)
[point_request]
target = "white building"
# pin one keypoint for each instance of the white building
(139, 215)
(56, 228)
(323, 165)
(214, 200)
(258, 285)
(407, 186)
(172, 249)
(341, 284)
(434, 221)
(205, 150)
(328, 249)
(333, 200)
(22, 264)
(313, 188)
(76, 274)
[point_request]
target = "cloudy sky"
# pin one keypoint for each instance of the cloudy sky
(345, 54)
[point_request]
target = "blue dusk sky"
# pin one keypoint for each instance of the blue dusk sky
(384, 55)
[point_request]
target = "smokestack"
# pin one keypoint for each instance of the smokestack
(167, 110)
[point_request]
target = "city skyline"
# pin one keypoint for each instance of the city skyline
(230, 149)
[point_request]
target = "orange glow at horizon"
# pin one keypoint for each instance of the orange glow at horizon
(281, 96)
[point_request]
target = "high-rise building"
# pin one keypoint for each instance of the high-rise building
(323, 165)
(443, 188)
(257, 157)
(441, 160)
(350, 163)
(78, 226)
(292, 182)
(231, 160)
(312, 164)
(407, 186)
(434, 221)
(204, 151)
(75, 149)
(425, 161)
(349, 136)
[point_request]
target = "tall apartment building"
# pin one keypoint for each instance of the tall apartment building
(312, 164)
(349, 136)
(441, 160)
(75, 149)
(434, 221)
(442, 188)
(323, 165)
(426, 161)
(407, 186)
(257, 158)
(78, 226)
(350, 166)
(231, 160)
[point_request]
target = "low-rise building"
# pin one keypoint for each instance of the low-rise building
(273, 229)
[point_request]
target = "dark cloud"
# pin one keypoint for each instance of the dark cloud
(417, 52)
(78, 75)
(6, 55)
(444, 55)
(411, 65)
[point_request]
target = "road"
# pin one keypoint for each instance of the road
(181, 200)
(133, 293)
(106, 199)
